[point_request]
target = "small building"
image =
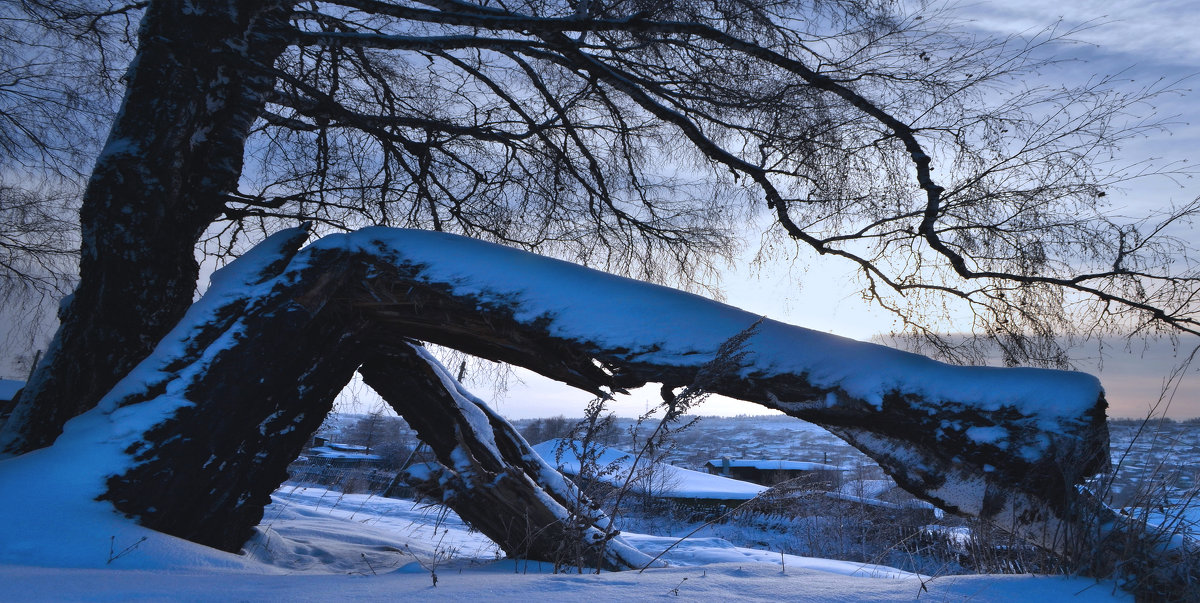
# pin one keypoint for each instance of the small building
(333, 454)
(768, 472)
(682, 489)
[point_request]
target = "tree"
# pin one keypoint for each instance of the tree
(556, 126)
(533, 432)
(211, 446)
(634, 136)
(54, 108)
(35, 257)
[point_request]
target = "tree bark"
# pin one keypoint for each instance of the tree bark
(201, 77)
(927, 448)
(254, 378)
(488, 474)
(340, 305)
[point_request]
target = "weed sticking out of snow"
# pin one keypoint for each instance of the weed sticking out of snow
(113, 554)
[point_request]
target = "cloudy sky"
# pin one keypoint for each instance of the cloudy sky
(1129, 32)
(1144, 41)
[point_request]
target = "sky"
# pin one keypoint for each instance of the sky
(1144, 41)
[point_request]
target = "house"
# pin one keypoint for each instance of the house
(769, 472)
(333, 454)
(679, 488)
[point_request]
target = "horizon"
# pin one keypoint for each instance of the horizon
(1131, 377)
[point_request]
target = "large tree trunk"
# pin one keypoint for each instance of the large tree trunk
(201, 78)
(249, 375)
(1016, 463)
(988, 443)
(488, 474)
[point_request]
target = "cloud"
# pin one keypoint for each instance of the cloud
(1148, 43)
(1141, 31)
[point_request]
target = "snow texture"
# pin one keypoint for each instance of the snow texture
(669, 481)
(476, 412)
(617, 312)
(652, 323)
(59, 543)
(774, 465)
(316, 545)
(240, 282)
(331, 452)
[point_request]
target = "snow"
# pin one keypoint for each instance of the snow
(505, 581)
(240, 281)
(59, 543)
(773, 465)
(470, 406)
(659, 324)
(706, 551)
(875, 502)
(868, 488)
(319, 545)
(476, 412)
(332, 452)
(339, 447)
(988, 435)
(671, 481)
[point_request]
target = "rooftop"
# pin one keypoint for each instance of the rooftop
(773, 465)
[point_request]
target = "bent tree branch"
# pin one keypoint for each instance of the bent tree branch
(545, 38)
(1007, 445)
(555, 127)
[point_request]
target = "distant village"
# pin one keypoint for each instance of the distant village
(716, 466)
(771, 464)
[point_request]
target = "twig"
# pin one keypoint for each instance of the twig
(129, 549)
(675, 591)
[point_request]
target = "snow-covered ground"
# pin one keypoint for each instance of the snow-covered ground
(320, 545)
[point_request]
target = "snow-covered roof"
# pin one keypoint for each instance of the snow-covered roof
(669, 480)
(346, 447)
(774, 465)
(328, 452)
(9, 388)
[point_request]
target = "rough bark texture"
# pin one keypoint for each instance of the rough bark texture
(201, 78)
(338, 308)
(1035, 498)
(265, 373)
(489, 475)
(262, 375)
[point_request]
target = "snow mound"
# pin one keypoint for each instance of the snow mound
(317, 546)
(663, 479)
